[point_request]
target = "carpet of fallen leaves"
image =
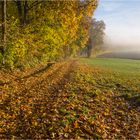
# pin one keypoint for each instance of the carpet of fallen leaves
(68, 100)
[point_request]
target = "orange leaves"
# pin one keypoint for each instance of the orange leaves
(61, 103)
(76, 124)
(34, 123)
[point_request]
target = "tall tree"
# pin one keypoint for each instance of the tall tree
(19, 8)
(40, 30)
(3, 5)
(96, 36)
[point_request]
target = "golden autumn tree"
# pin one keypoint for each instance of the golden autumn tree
(41, 31)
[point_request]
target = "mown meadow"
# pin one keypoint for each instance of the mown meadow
(122, 74)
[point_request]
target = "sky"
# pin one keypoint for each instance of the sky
(122, 19)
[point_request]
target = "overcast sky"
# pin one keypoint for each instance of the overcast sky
(122, 19)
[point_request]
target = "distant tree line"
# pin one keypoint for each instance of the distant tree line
(38, 31)
(96, 38)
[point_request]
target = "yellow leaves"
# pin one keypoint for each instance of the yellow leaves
(34, 123)
(66, 135)
(13, 138)
(44, 114)
(76, 124)
(99, 130)
(59, 103)
(105, 114)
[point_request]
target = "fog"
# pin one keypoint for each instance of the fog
(121, 45)
(121, 50)
(122, 19)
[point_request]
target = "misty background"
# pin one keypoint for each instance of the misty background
(122, 19)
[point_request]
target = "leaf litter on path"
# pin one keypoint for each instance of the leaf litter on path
(68, 101)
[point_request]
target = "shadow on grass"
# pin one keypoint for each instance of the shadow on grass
(133, 100)
(37, 71)
(30, 75)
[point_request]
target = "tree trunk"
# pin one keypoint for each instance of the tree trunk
(22, 7)
(3, 25)
(89, 48)
(89, 52)
(25, 12)
(19, 8)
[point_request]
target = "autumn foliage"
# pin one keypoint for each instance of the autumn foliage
(41, 31)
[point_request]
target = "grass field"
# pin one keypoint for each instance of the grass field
(124, 67)
(120, 75)
(130, 54)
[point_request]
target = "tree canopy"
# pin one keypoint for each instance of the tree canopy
(40, 31)
(96, 37)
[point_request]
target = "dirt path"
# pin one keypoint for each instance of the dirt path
(64, 102)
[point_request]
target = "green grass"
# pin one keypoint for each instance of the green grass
(124, 67)
(120, 75)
